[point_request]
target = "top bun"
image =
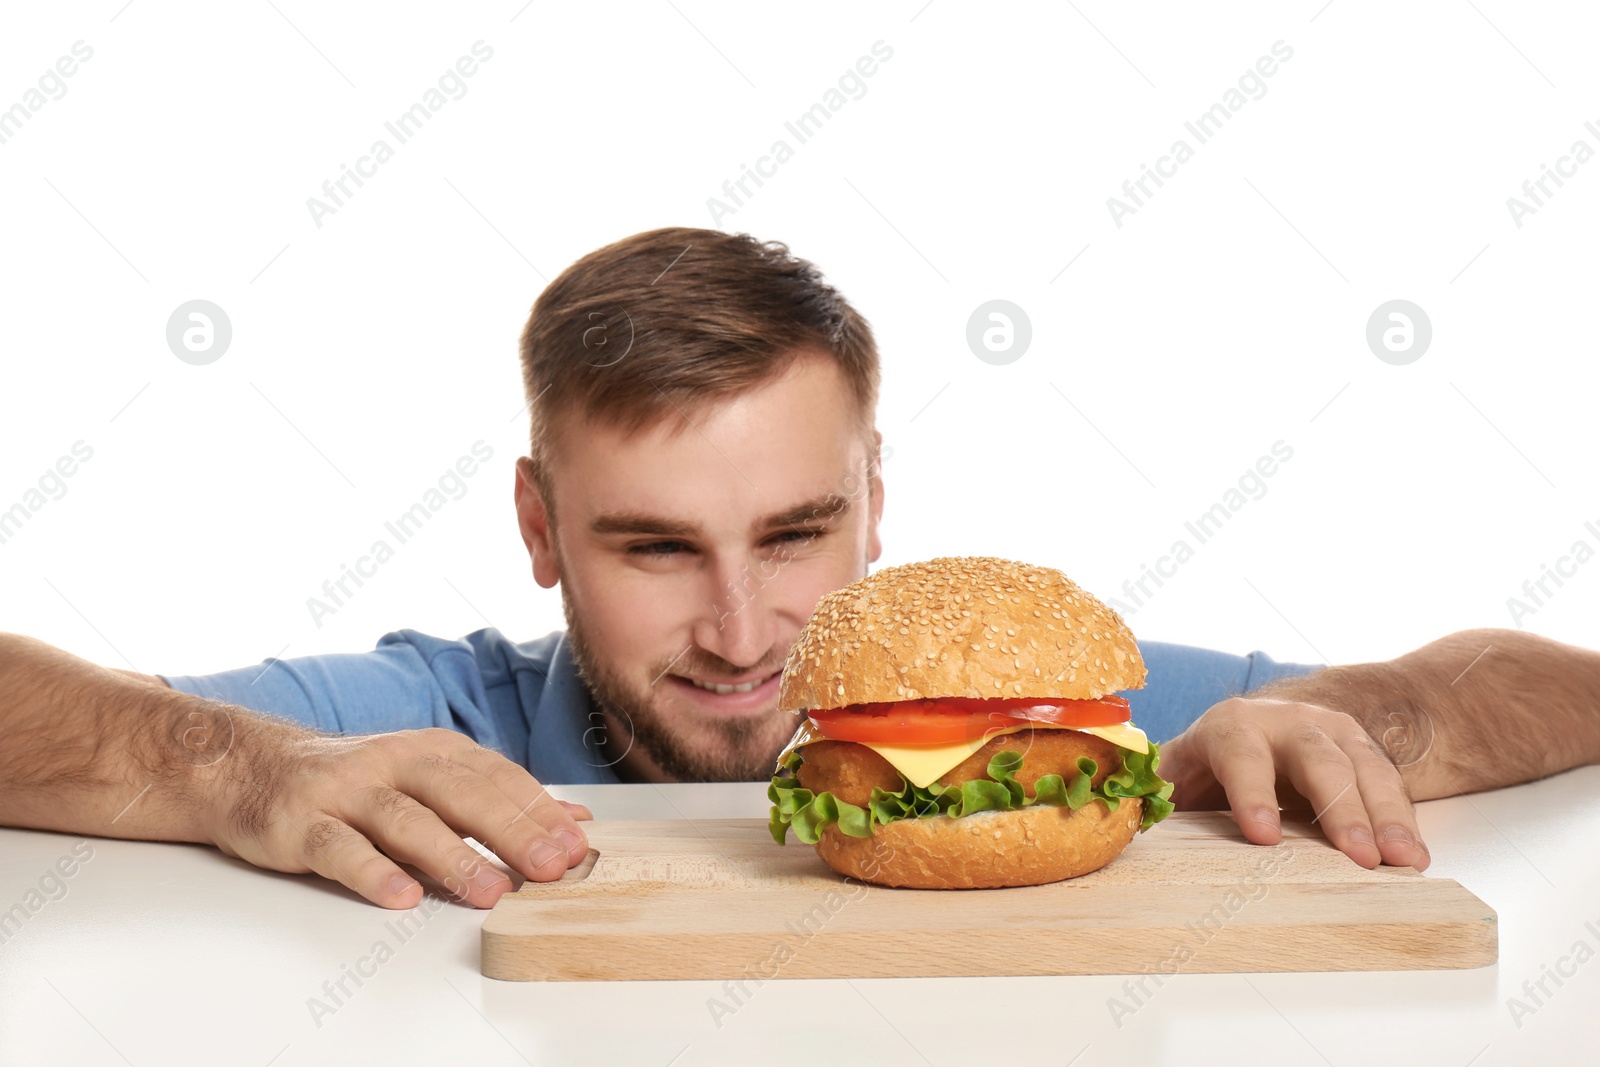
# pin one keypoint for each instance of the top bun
(959, 627)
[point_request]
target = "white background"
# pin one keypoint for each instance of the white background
(1226, 314)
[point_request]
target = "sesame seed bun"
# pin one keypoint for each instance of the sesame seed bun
(987, 850)
(970, 626)
(966, 627)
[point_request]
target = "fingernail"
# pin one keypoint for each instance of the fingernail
(568, 841)
(542, 853)
(487, 877)
(1361, 833)
(1399, 834)
(400, 884)
(1265, 816)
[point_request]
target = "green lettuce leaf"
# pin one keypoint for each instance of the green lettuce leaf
(809, 814)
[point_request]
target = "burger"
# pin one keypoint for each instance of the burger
(962, 730)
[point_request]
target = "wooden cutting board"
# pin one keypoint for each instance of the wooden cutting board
(718, 899)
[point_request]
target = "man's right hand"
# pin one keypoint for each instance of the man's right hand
(349, 808)
(89, 750)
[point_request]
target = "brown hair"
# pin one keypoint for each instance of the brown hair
(666, 321)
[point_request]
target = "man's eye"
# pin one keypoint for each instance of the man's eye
(801, 536)
(658, 548)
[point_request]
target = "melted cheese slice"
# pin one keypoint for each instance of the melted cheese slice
(924, 764)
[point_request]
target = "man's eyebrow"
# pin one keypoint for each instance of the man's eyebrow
(632, 522)
(819, 510)
(639, 523)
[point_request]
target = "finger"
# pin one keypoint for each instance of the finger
(412, 833)
(1322, 772)
(337, 852)
(474, 804)
(538, 815)
(1240, 760)
(1389, 809)
(1195, 788)
(579, 812)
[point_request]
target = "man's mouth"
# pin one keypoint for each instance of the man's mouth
(726, 688)
(736, 697)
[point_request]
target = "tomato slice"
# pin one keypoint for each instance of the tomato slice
(947, 720)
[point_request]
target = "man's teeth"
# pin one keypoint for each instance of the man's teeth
(714, 687)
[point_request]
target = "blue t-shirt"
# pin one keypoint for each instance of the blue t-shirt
(527, 702)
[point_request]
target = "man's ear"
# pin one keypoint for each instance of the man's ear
(875, 498)
(533, 518)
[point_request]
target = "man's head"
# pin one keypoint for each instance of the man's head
(703, 469)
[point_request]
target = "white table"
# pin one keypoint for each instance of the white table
(174, 954)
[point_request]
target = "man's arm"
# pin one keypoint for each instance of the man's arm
(1479, 709)
(115, 754)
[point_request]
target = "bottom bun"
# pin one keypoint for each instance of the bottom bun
(987, 850)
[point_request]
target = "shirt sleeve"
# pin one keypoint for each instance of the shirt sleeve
(409, 682)
(1184, 681)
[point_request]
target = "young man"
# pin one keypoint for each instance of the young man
(703, 468)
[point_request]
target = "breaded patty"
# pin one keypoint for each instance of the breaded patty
(849, 771)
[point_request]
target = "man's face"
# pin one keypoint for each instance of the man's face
(690, 554)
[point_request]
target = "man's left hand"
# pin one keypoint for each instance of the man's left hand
(1241, 751)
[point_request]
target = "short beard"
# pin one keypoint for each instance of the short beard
(744, 749)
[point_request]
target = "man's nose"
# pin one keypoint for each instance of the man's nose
(737, 626)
